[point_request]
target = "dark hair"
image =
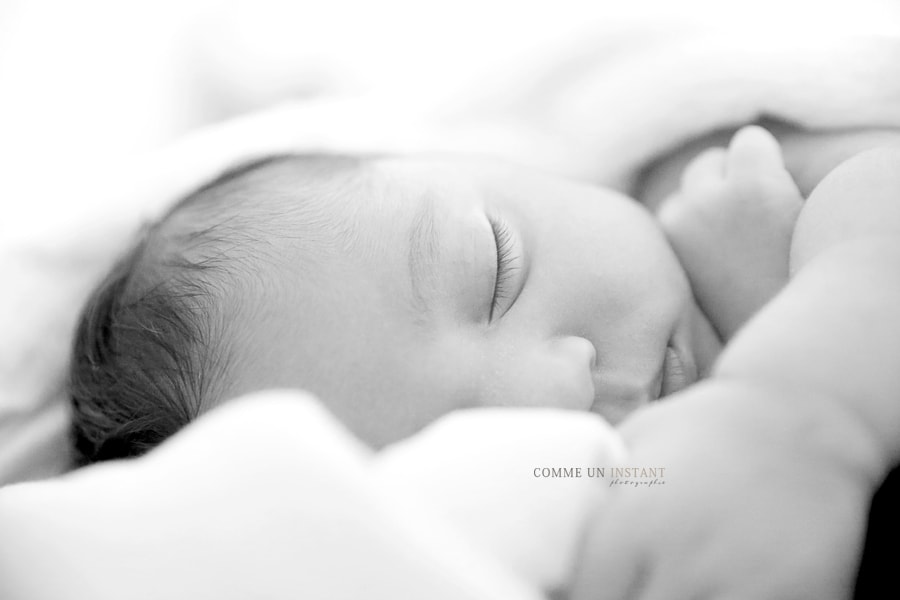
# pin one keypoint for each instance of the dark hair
(143, 363)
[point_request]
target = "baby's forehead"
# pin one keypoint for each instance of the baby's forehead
(327, 201)
(271, 195)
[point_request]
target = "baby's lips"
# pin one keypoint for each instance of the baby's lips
(679, 371)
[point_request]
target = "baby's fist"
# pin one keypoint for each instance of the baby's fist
(731, 225)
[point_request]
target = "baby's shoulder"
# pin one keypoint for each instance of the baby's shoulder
(811, 155)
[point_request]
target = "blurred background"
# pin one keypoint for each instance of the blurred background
(88, 86)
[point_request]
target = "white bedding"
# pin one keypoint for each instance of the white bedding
(615, 104)
(299, 508)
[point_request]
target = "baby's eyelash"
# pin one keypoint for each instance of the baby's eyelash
(504, 242)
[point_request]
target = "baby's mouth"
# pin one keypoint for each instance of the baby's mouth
(678, 371)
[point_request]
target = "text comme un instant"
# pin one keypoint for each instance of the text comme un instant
(623, 472)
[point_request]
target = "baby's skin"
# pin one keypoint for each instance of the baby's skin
(772, 461)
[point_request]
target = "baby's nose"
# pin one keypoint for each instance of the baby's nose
(582, 350)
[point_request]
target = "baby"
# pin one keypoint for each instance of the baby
(398, 289)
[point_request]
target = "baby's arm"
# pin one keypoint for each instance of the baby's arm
(731, 224)
(836, 331)
(772, 462)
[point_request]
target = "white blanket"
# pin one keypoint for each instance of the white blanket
(270, 497)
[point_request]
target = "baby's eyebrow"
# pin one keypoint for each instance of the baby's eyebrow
(423, 252)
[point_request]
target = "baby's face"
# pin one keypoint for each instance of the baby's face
(450, 283)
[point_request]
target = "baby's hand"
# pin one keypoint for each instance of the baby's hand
(731, 225)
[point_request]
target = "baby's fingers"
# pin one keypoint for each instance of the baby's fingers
(753, 152)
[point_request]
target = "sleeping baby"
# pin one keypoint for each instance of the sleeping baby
(398, 289)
